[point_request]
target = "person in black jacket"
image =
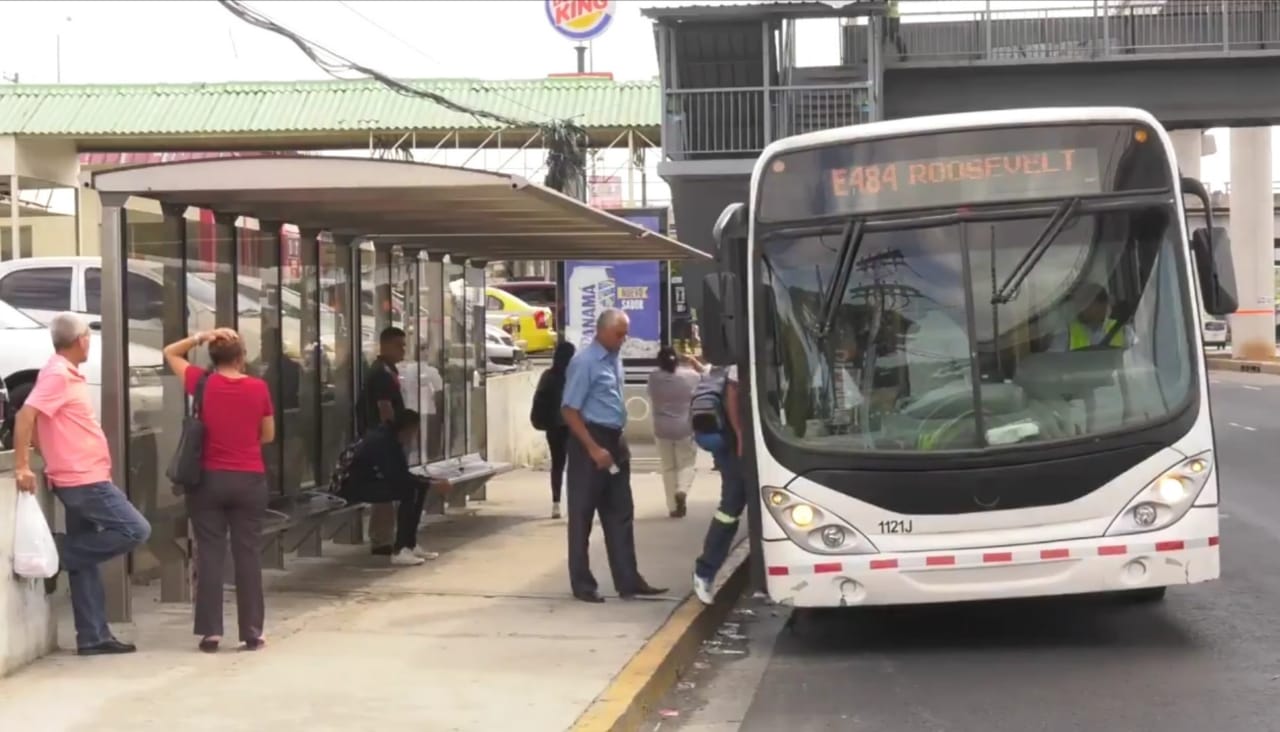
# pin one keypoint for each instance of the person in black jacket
(546, 416)
(378, 472)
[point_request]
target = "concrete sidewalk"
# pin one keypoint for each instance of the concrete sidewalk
(484, 638)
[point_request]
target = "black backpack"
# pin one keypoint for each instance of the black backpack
(707, 413)
(544, 414)
(342, 467)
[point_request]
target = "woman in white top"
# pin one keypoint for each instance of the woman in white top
(671, 388)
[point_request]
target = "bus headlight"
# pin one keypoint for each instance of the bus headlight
(1166, 499)
(802, 515)
(812, 527)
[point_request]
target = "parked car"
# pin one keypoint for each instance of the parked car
(539, 293)
(536, 323)
(501, 348)
(27, 347)
(1215, 333)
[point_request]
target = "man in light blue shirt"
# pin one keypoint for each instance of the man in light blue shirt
(599, 471)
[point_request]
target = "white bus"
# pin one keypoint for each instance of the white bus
(971, 356)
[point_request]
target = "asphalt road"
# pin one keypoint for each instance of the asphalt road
(1208, 658)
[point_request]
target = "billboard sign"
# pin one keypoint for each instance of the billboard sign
(633, 287)
(581, 20)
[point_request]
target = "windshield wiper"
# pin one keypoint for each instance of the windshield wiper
(1057, 222)
(850, 242)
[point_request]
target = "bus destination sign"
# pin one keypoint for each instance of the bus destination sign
(956, 180)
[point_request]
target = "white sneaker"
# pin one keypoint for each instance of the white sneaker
(704, 590)
(555, 510)
(421, 553)
(406, 558)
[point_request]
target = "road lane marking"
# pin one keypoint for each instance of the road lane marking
(1243, 427)
(1251, 387)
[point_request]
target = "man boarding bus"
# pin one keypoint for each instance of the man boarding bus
(1011, 296)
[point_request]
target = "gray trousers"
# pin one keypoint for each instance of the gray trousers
(229, 502)
(593, 491)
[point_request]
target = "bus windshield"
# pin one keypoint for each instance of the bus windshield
(929, 349)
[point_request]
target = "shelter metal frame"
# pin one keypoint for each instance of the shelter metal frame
(465, 214)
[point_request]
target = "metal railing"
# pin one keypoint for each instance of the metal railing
(740, 121)
(1106, 29)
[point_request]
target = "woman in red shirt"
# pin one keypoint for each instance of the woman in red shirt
(232, 496)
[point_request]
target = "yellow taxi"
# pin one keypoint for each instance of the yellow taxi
(532, 324)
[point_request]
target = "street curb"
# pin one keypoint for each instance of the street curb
(1247, 367)
(631, 696)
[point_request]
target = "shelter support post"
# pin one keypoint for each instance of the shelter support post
(114, 405)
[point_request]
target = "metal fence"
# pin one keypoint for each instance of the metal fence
(1098, 30)
(740, 121)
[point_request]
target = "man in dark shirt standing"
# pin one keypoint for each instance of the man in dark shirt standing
(382, 402)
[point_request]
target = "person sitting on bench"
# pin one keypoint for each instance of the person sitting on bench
(374, 470)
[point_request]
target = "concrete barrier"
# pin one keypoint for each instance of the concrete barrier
(639, 429)
(28, 628)
(510, 437)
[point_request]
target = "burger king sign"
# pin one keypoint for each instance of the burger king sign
(580, 20)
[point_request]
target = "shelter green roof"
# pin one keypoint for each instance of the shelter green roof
(317, 114)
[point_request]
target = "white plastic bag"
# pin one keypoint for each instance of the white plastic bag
(35, 556)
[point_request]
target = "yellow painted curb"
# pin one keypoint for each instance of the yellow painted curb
(630, 698)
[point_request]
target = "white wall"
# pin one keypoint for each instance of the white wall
(511, 439)
(28, 629)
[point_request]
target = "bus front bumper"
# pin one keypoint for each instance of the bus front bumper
(1184, 553)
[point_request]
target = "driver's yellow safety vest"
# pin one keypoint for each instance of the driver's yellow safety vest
(1080, 338)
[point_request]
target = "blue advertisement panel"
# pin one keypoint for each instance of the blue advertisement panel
(635, 287)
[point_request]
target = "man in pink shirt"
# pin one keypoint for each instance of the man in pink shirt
(101, 523)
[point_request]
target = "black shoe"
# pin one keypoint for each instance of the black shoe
(107, 648)
(682, 505)
(382, 551)
(208, 645)
(256, 644)
(591, 597)
(644, 590)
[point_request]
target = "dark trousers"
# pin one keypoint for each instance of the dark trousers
(410, 496)
(724, 524)
(229, 502)
(592, 491)
(101, 524)
(557, 439)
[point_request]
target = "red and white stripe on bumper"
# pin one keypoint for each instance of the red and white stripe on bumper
(981, 558)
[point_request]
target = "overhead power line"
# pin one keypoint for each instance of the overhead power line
(565, 139)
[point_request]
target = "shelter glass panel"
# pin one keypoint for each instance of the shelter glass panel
(337, 402)
(258, 321)
(476, 421)
(456, 383)
(305, 360)
(404, 291)
(152, 286)
(432, 359)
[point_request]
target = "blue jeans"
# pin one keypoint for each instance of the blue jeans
(724, 524)
(101, 525)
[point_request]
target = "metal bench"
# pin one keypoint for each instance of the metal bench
(292, 522)
(468, 476)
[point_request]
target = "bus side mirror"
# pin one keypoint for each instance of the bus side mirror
(1212, 251)
(718, 318)
(729, 229)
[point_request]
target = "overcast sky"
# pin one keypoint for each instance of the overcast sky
(107, 41)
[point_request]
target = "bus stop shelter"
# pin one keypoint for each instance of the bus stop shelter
(309, 257)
